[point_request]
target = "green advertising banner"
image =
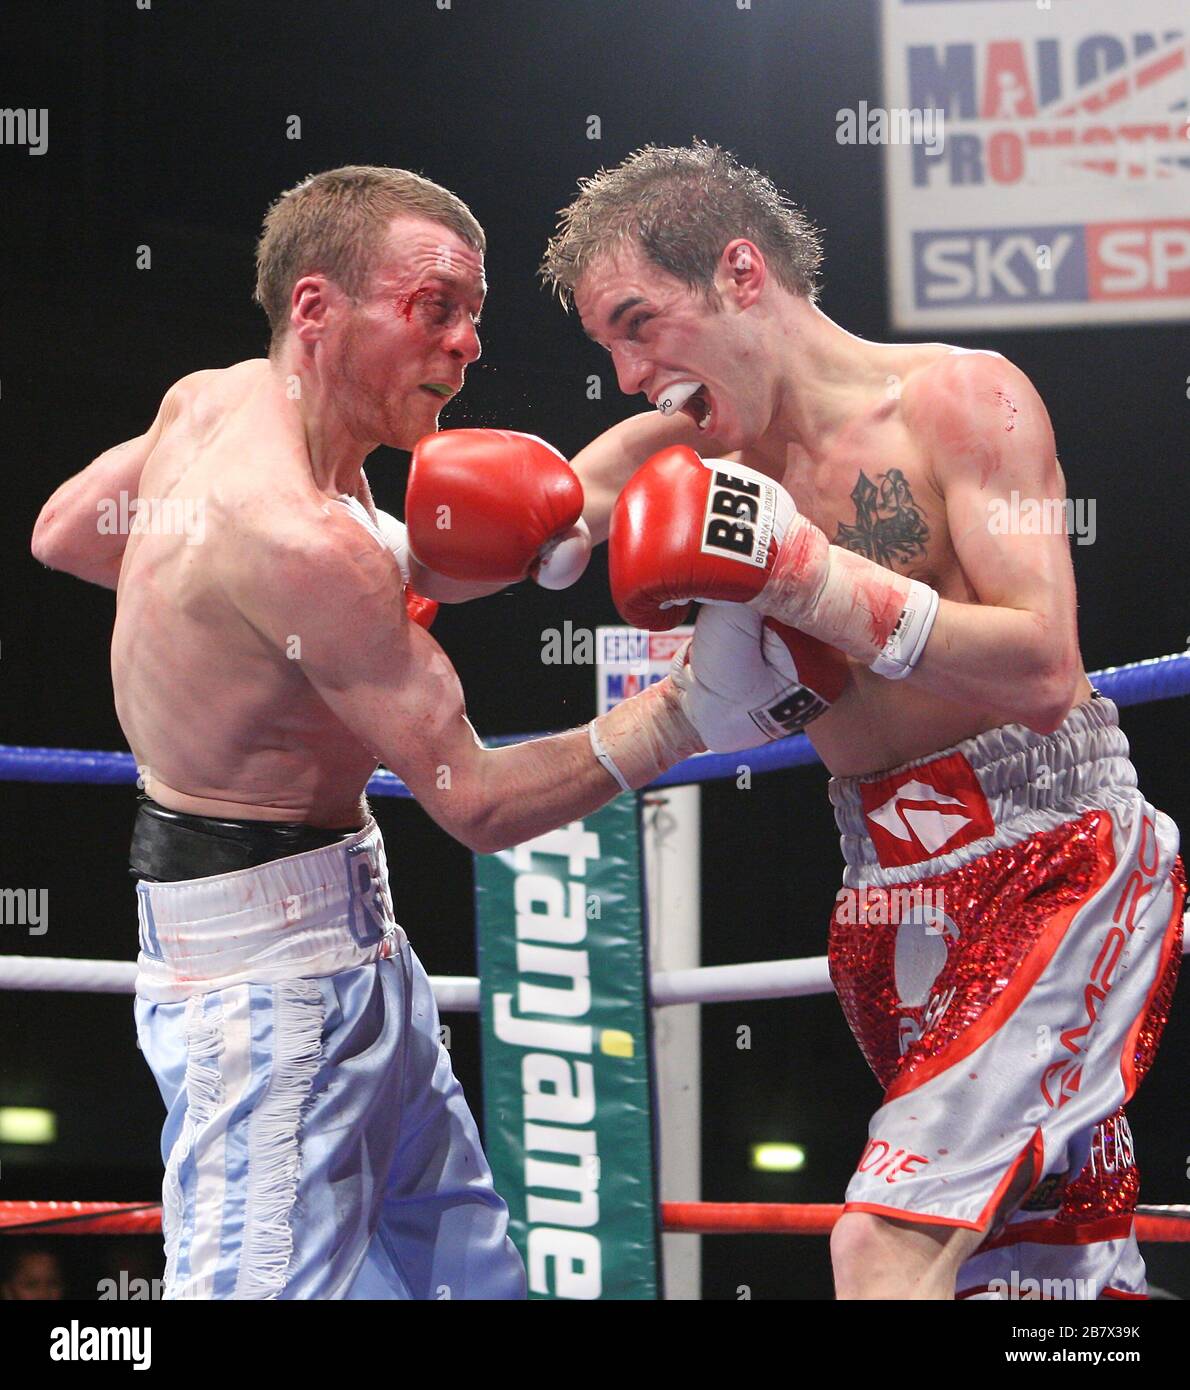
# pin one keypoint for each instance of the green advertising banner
(566, 1073)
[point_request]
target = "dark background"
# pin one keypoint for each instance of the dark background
(168, 129)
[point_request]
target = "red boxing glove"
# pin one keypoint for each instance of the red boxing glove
(685, 528)
(495, 506)
(422, 611)
(681, 531)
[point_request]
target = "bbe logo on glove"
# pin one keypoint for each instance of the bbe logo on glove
(745, 679)
(685, 527)
(819, 675)
(796, 708)
(739, 518)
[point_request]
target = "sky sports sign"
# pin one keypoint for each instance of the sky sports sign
(1060, 191)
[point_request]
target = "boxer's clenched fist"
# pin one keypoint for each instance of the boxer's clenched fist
(496, 506)
(689, 528)
(742, 680)
(746, 679)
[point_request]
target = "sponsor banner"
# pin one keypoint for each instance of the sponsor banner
(630, 658)
(568, 1105)
(1055, 189)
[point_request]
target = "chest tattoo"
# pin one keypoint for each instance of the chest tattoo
(889, 525)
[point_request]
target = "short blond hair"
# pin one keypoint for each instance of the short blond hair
(336, 222)
(681, 205)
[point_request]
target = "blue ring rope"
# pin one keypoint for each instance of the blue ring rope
(1159, 678)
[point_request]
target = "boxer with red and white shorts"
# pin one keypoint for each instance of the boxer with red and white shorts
(1005, 949)
(1008, 936)
(851, 509)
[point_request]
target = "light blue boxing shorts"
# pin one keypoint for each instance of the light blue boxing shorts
(317, 1144)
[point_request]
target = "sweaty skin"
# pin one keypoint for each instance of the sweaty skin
(897, 453)
(263, 672)
(879, 723)
(225, 723)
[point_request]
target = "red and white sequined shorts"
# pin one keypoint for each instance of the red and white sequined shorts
(1005, 948)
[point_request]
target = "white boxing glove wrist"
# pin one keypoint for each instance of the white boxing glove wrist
(907, 641)
(563, 558)
(396, 537)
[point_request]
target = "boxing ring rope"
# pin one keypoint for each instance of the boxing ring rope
(708, 984)
(1163, 1225)
(1159, 678)
(1141, 682)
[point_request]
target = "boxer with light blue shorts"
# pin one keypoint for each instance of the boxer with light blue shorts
(317, 1143)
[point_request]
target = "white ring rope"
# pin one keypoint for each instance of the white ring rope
(459, 992)
(760, 979)
(775, 979)
(707, 984)
(66, 973)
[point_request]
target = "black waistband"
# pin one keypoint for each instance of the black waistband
(168, 846)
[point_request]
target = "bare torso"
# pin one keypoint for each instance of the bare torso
(222, 723)
(873, 491)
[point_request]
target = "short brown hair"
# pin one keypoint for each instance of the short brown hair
(681, 205)
(335, 223)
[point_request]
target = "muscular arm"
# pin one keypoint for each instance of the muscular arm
(67, 536)
(393, 686)
(607, 463)
(1015, 651)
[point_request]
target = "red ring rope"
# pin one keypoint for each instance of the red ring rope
(80, 1218)
(817, 1219)
(705, 1218)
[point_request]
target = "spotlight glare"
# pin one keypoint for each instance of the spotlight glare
(778, 1158)
(22, 1124)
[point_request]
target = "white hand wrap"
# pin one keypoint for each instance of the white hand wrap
(907, 641)
(873, 614)
(644, 735)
